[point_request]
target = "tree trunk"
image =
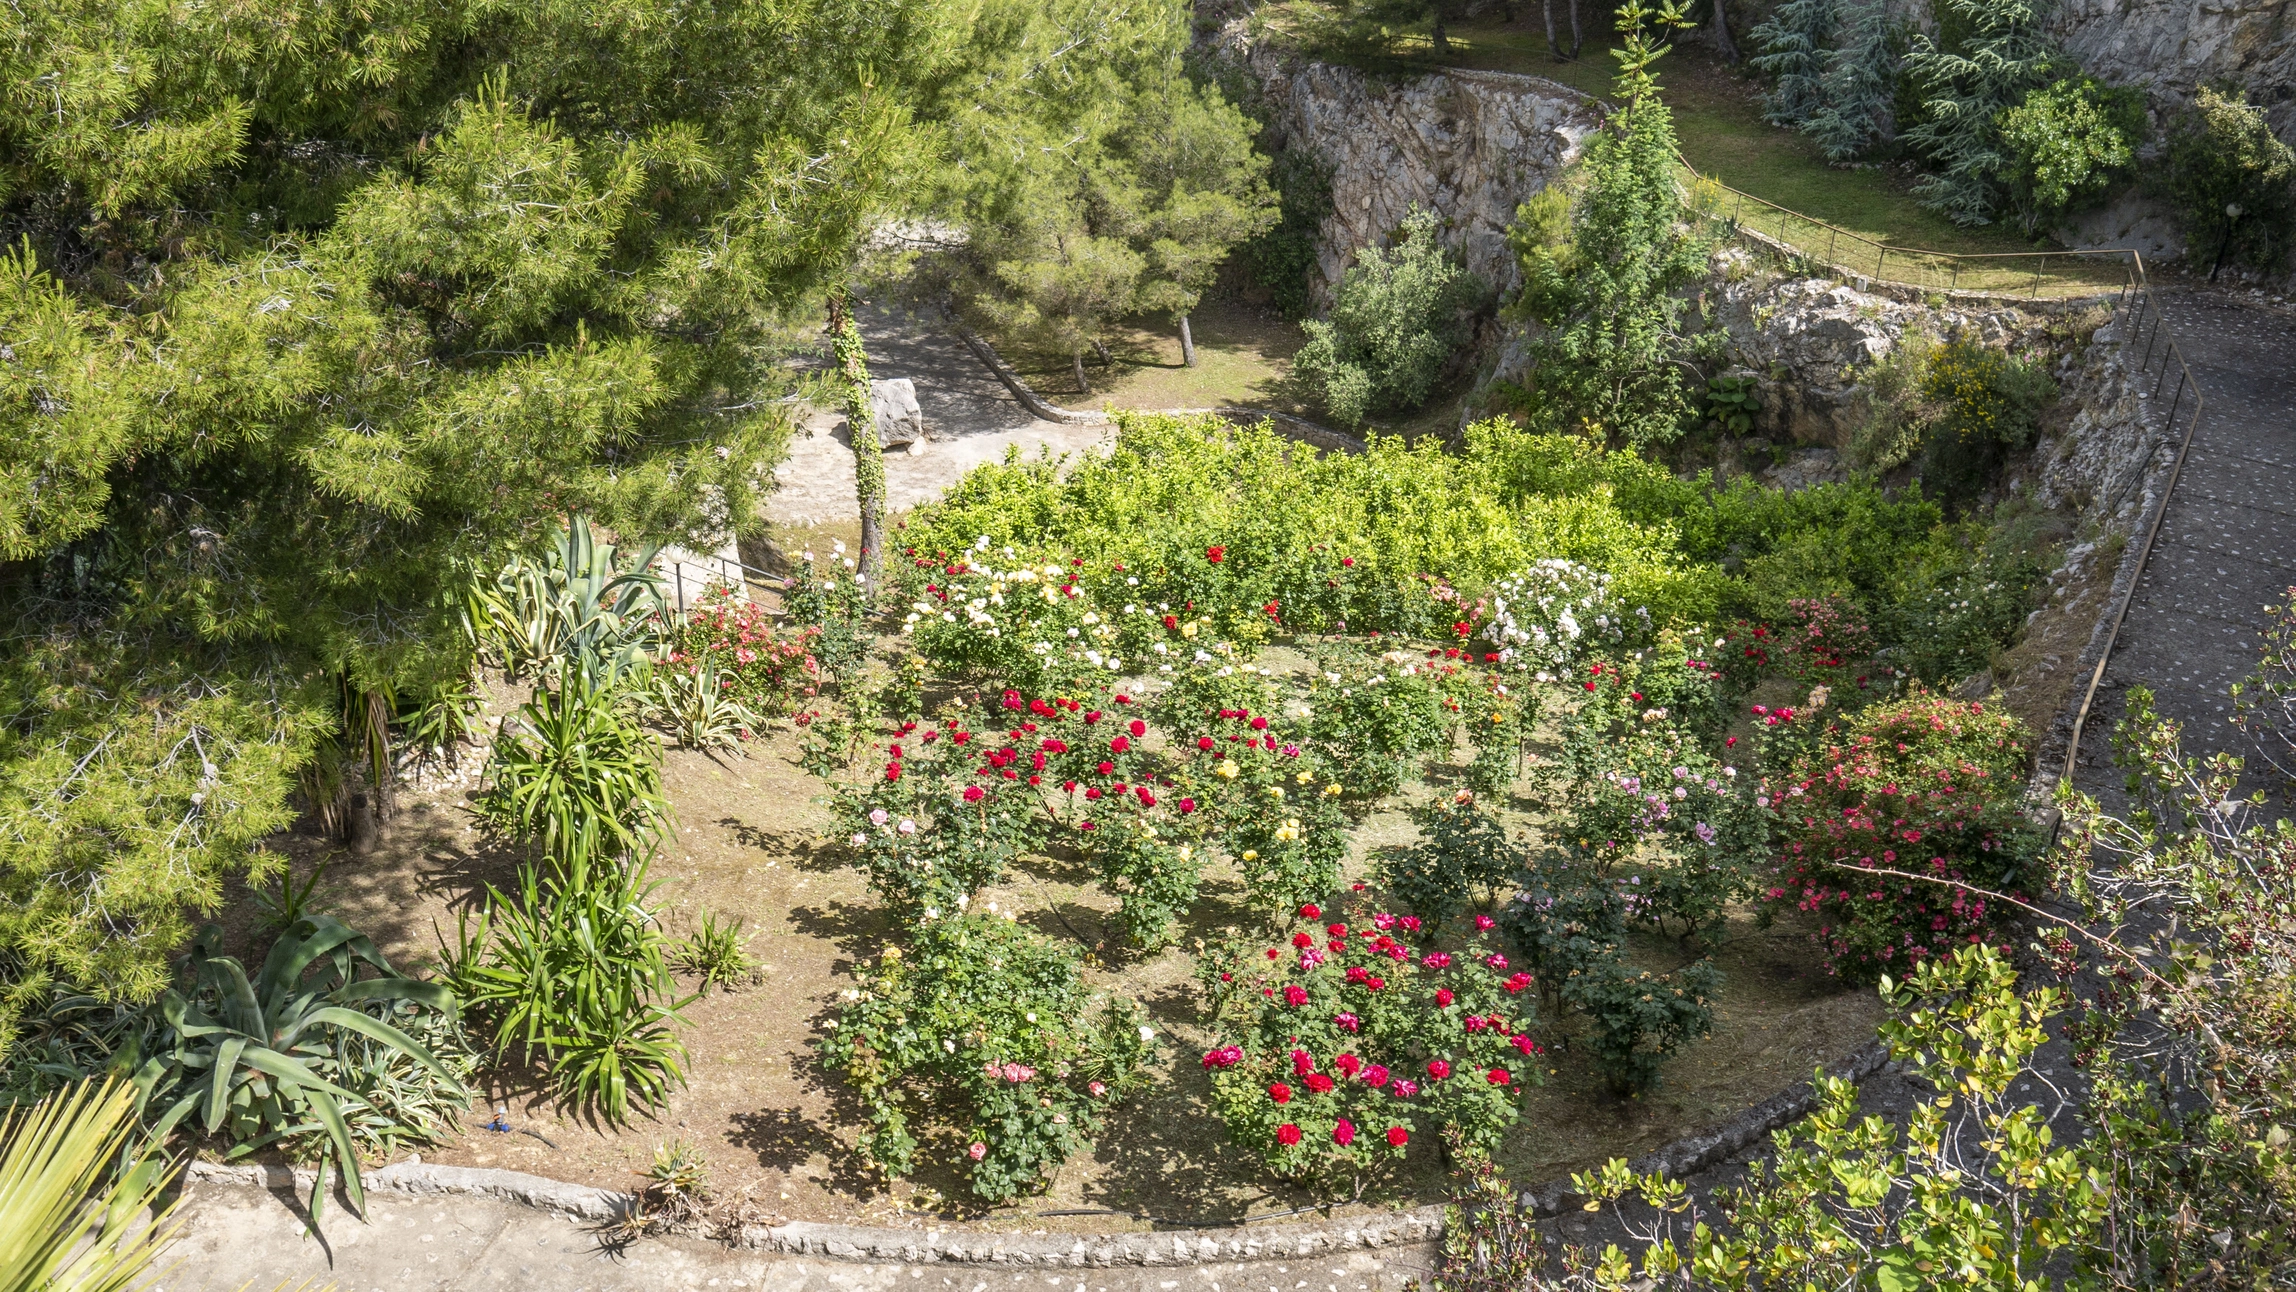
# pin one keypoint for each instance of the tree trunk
(1722, 42)
(1187, 343)
(1548, 6)
(1083, 387)
(1578, 42)
(1100, 347)
(1441, 38)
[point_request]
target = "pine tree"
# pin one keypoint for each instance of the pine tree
(1964, 92)
(1859, 86)
(1205, 190)
(1605, 271)
(1793, 42)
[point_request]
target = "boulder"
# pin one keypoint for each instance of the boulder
(900, 424)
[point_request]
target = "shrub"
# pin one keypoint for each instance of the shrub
(570, 774)
(989, 1023)
(1339, 1045)
(1822, 636)
(1545, 618)
(2067, 144)
(1639, 1018)
(1925, 786)
(716, 952)
(1031, 628)
(1982, 403)
(1377, 720)
(575, 973)
(1462, 848)
(938, 821)
(579, 601)
(2221, 154)
(1284, 827)
(770, 669)
(831, 606)
(1396, 321)
(1955, 604)
(697, 704)
(1965, 85)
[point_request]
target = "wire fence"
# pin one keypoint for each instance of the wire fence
(2025, 275)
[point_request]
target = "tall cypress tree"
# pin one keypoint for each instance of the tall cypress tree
(1793, 42)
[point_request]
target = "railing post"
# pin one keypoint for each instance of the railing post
(2143, 301)
(2179, 395)
(2165, 360)
(1955, 285)
(1832, 236)
(2037, 276)
(1880, 259)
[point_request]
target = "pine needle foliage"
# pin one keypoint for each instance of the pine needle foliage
(1604, 263)
(1964, 90)
(1859, 87)
(1796, 43)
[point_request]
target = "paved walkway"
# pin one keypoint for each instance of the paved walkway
(2227, 546)
(969, 416)
(238, 1233)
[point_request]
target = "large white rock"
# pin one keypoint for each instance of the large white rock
(900, 424)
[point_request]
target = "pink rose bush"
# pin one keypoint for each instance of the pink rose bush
(1923, 784)
(1339, 1048)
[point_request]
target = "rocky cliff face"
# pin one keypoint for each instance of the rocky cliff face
(2174, 46)
(1469, 146)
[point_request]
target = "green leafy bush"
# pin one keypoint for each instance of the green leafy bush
(928, 828)
(1034, 628)
(1463, 849)
(2223, 154)
(1334, 1049)
(575, 973)
(2067, 144)
(1925, 786)
(1982, 403)
(1994, 55)
(1376, 720)
(1396, 322)
(1638, 1018)
(771, 668)
(832, 607)
(987, 1023)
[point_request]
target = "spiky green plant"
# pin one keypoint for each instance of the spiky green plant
(577, 604)
(59, 1155)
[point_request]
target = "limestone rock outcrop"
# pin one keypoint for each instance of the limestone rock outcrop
(1469, 146)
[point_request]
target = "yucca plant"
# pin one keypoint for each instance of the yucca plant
(572, 774)
(575, 604)
(698, 705)
(716, 951)
(60, 1155)
(244, 1054)
(575, 973)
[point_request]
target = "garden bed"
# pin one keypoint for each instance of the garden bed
(778, 1131)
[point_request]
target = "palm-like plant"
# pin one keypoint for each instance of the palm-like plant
(571, 774)
(576, 605)
(242, 1051)
(576, 973)
(60, 1154)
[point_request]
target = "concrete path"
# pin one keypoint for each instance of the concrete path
(970, 418)
(2227, 545)
(242, 1233)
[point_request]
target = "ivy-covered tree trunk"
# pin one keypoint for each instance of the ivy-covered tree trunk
(868, 454)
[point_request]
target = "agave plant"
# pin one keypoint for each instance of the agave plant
(697, 705)
(576, 605)
(246, 1055)
(56, 1157)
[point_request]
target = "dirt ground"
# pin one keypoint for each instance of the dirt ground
(777, 1129)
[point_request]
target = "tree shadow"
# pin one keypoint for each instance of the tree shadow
(801, 849)
(852, 927)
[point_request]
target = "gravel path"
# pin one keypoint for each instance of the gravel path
(2227, 545)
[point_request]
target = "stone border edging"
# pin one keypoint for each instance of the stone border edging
(1683, 1156)
(539, 1192)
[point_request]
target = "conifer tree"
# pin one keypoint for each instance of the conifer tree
(1859, 85)
(1793, 44)
(1964, 91)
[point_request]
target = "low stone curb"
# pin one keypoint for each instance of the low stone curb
(1684, 1156)
(543, 1194)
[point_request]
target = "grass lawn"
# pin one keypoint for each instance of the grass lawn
(1243, 360)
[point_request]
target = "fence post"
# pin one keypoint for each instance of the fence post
(1880, 259)
(1831, 236)
(1955, 284)
(2037, 276)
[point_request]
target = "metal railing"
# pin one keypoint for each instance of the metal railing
(2025, 275)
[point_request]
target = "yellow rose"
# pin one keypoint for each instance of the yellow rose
(1227, 768)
